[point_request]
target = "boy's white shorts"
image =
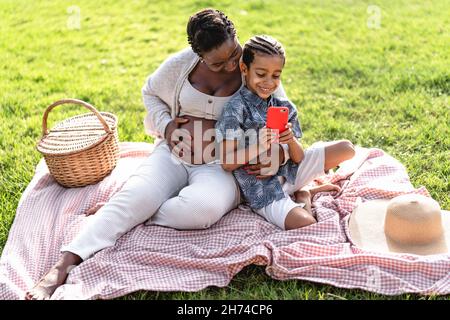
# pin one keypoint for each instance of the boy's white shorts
(311, 167)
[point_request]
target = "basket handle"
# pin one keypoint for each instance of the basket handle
(74, 101)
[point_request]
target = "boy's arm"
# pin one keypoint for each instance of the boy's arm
(234, 158)
(296, 152)
(284, 156)
(295, 148)
(292, 134)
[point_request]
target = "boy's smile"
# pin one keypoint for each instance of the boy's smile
(263, 76)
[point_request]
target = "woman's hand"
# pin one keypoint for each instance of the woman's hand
(266, 168)
(179, 140)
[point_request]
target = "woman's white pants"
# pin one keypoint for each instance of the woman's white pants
(165, 190)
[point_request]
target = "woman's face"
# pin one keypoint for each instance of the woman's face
(224, 58)
(263, 76)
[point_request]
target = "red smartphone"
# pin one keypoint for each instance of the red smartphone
(277, 118)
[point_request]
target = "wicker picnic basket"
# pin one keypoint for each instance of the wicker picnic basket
(81, 150)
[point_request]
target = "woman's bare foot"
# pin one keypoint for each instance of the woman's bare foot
(54, 278)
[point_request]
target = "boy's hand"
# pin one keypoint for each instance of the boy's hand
(287, 136)
(266, 138)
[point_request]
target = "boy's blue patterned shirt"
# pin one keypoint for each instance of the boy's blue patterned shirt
(246, 111)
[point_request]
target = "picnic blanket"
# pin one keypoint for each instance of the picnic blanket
(164, 259)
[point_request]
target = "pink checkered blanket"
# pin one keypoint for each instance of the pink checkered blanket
(163, 259)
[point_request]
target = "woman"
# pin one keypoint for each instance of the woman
(186, 191)
(180, 185)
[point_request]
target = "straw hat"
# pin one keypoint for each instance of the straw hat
(409, 223)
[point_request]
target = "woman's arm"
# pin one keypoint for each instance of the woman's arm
(158, 112)
(158, 91)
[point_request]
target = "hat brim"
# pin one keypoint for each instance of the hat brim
(366, 228)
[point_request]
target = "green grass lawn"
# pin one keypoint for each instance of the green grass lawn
(379, 78)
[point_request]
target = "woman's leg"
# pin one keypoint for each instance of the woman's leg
(211, 193)
(156, 180)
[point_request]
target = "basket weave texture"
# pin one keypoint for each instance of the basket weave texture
(81, 150)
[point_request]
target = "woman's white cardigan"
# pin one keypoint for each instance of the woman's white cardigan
(161, 90)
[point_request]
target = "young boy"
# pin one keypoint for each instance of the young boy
(262, 62)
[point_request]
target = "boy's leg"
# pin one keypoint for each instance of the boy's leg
(337, 152)
(328, 187)
(304, 196)
(286, 214)
(319, 158)
(298, 218)
(311, 167)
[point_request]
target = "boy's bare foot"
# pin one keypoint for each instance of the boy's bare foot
(324, 188)
(54, 278)
(304, 196)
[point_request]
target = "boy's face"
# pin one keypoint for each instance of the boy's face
(263, 76)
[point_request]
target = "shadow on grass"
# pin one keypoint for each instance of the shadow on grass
(252, 283)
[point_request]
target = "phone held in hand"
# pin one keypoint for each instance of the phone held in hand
(277, 118)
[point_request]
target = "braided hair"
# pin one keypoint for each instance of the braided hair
(208, 29)
(261, 44)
